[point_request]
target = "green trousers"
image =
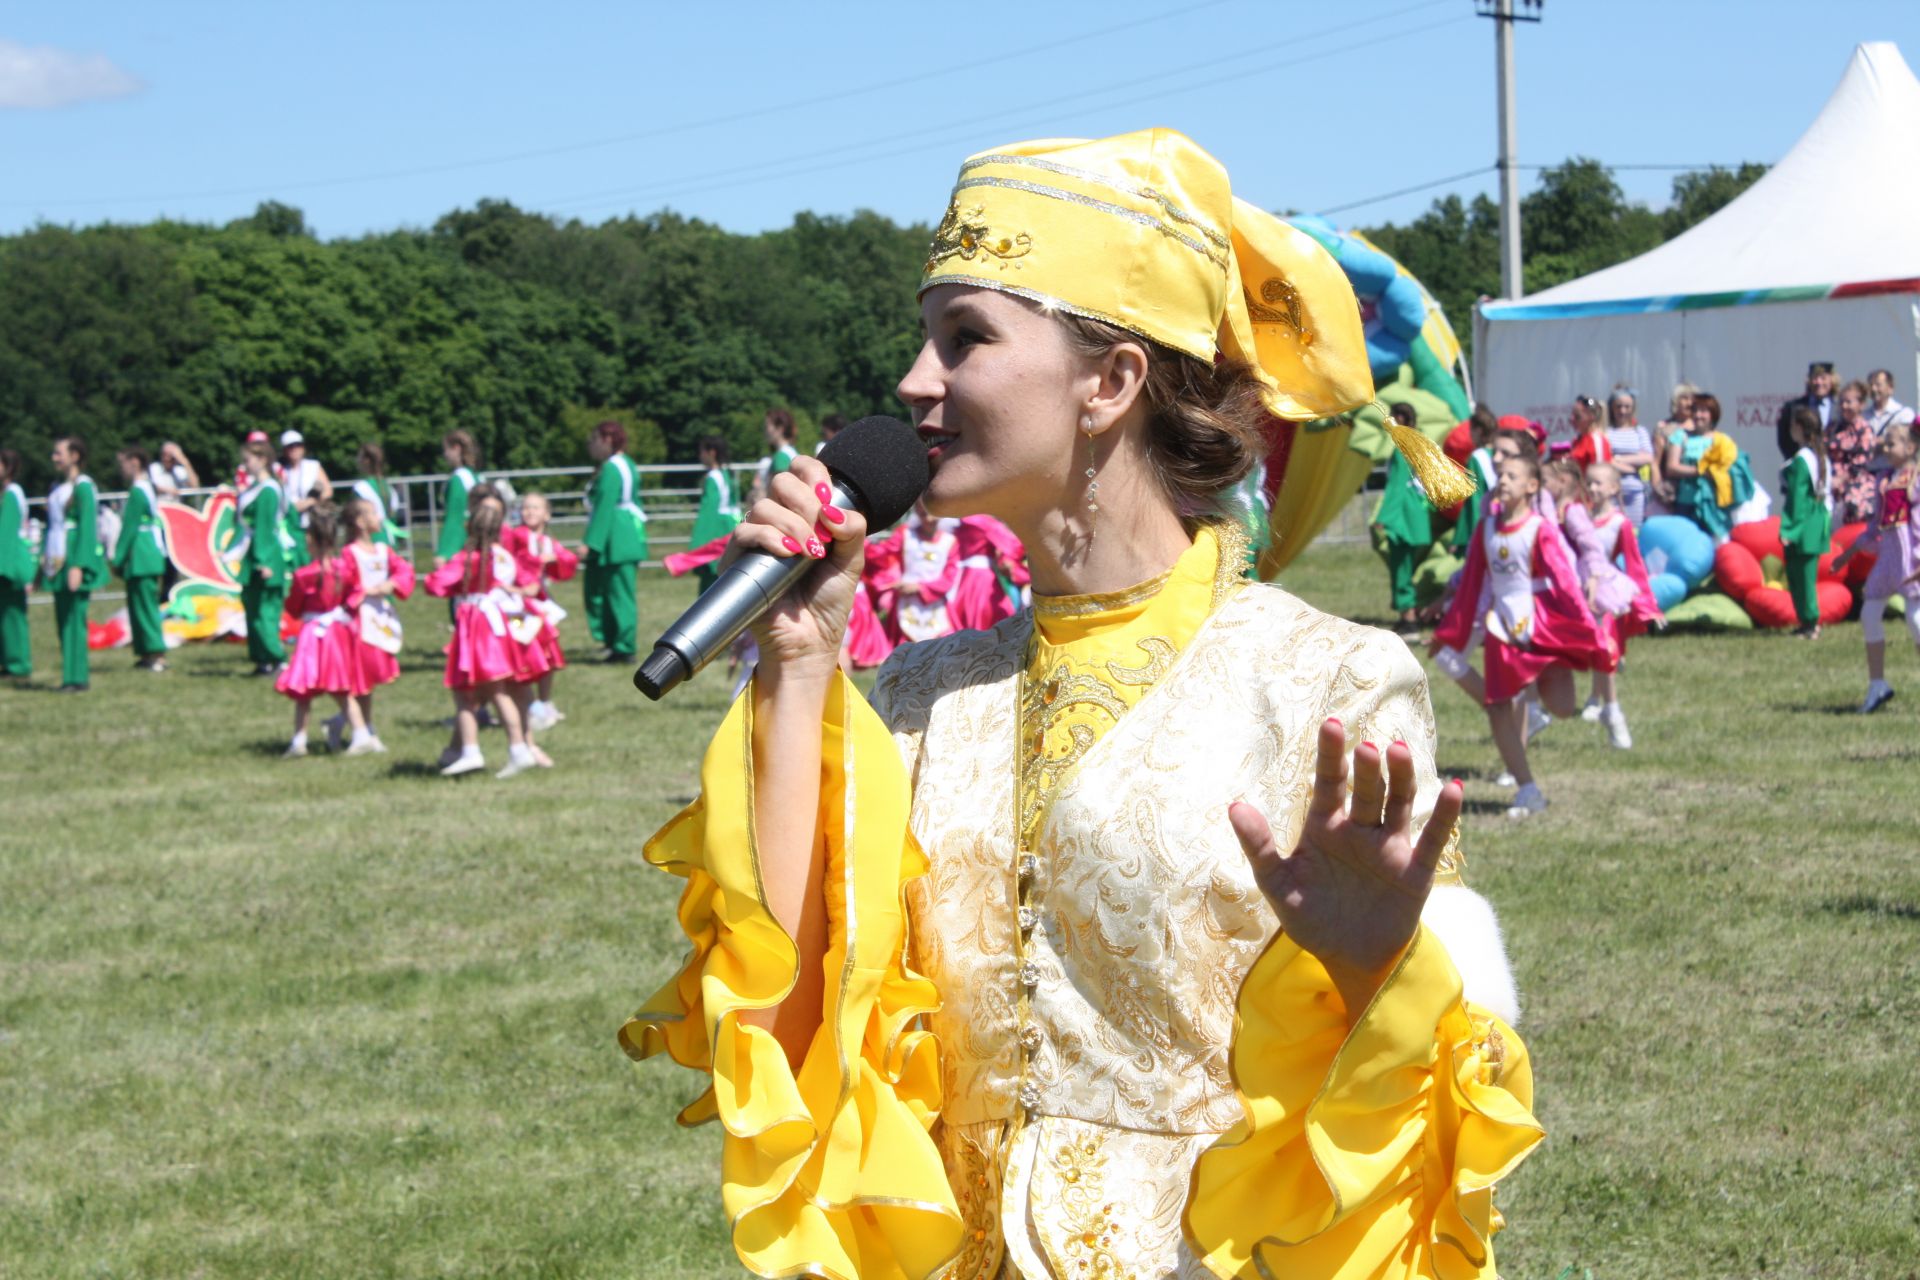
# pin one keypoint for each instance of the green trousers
(611, 615)
(143, 616)
(263, 601)
(1803, 584)
(1402, 559)
(70, 617)
(16, 646)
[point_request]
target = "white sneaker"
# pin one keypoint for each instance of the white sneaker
(336, 726)
(541, 717)
(1592, 711)
(1527, 801)
(518, 761)
(294, 751)
(1879, 694)
(366, 746)
(466, 762)
(1617, 734)
(1505, 779)
(1537, 721)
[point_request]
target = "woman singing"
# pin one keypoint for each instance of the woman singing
(1125, 938)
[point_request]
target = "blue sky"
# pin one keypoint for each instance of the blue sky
(371, 116)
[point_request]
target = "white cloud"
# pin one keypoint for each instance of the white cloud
(41, 76)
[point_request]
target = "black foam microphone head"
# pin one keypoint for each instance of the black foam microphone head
(884, 461)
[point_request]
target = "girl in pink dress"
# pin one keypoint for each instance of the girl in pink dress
(323, 660)
(530, 541)
(375, 576)
(1620, 600)
(1520, 600)
(929, 571)
(1894, 529)
(987, 549)
(493, 657)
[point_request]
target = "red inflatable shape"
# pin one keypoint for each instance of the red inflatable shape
(1737, 572)
(1459, 443)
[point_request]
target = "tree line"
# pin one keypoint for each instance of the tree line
(525, 330)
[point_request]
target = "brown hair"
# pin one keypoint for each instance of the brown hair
(10, 463)
(483, 531)
(372, 459)
(612, 434)
(137, 453)
(1523, 440)
(258, 449)
(1530, 461)
(781, 420)
(462, 442)
(75, 445)
(350, 513)
(323, 537)
(1207, 420)
(1859, 389)
(1567, 471)
(1482, 424)
(1708, 401)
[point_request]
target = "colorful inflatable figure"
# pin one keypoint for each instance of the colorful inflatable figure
(1315, 468)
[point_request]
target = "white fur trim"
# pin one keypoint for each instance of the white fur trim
(1464, 922)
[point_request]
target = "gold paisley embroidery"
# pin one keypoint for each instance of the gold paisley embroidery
(962, 234)
(1279, 303)
(1160, 655)
(973, 1170)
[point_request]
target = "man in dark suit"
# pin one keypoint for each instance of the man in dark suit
(1819, 398)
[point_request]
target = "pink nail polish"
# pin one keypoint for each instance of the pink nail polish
(833, 513)
(822, 492)
(815, 550)
(793, 548)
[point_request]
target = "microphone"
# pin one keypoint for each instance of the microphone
(878, 468)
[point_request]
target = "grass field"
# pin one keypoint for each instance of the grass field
(344, 1018)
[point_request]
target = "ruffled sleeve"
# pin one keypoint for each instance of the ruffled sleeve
(1370, 1152)
(827, 1170)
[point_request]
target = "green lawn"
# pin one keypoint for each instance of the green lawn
(345, 1018)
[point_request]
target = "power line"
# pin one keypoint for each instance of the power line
(1127, 91)
(540, 153)
(1408, 191)
(1491, 168)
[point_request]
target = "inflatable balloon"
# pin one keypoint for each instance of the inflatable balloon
(1750, 567)
(1676, 545)
(1313, 469)
(1709, 611)
(1669, 589)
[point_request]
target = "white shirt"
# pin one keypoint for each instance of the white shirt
(1884, 418)
(166, 481)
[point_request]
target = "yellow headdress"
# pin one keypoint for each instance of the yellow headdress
(1143, 231)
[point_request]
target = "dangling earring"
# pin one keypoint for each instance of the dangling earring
(1093, 485)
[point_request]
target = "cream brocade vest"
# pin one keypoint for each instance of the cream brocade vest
(1073, 1118)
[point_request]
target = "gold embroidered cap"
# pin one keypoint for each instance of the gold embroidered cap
(1143, 231)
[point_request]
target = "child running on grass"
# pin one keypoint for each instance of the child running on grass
(1895, 528)
(375, 577)
(530, 541)
(1520, 601)
(1621, 596)
(490, 660)
(323, 660)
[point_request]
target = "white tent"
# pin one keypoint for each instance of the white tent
(1819, 260)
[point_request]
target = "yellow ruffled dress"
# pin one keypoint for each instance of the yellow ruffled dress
(1067, 1039)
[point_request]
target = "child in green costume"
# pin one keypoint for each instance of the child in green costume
(16, 570)
(1806, 517)
(72, 563)
(719, 507)
(1480, 465)
(1404, 521)
(140, 558)
(616, 543)
(264, 566)
(463, 455)
(371, 488)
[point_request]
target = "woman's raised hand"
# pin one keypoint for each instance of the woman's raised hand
(801, 633)
(1352, 889)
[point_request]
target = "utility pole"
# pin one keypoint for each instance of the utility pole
(1503, 15)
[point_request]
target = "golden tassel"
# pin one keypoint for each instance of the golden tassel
(1445, 483)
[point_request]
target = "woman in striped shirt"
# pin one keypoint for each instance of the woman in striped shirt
(1633, 454)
